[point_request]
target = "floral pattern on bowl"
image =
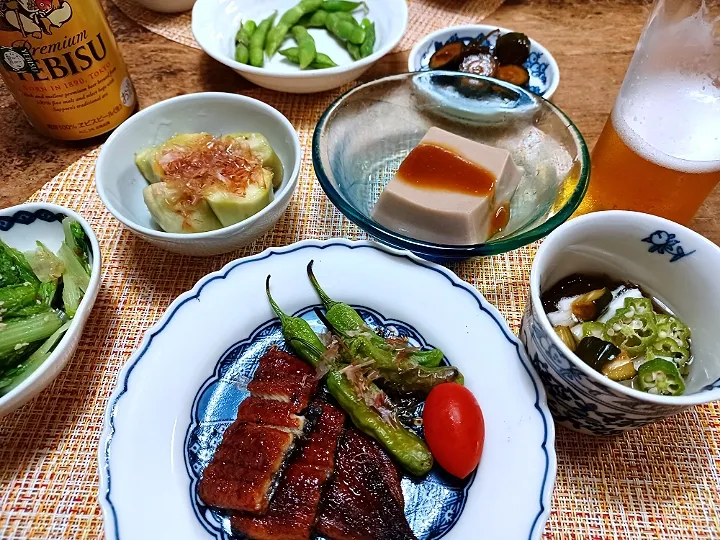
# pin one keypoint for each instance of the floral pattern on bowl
(543, 69)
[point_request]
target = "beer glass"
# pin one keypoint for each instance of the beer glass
(660, 149)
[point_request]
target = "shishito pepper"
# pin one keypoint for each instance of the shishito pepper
(660, 376)
(633, 327)
(406, 447)
(345, 319)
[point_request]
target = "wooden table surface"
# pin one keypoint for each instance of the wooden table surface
(592, 41)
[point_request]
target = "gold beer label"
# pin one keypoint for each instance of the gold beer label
(61, 63)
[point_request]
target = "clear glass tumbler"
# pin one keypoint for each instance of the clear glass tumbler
(660, 149)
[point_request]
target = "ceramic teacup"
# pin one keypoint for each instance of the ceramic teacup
(673, 263)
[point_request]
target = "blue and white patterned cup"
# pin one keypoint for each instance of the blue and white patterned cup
(676, 265)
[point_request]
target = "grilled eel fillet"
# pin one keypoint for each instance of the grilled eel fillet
(246, 467)
(364, 501)
(291, 514)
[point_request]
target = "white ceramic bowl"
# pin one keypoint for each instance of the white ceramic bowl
(166, 6)
(120, 184)
(671, 262)
(20, 227)
(215, 23)
(178, 392)
(543, 69)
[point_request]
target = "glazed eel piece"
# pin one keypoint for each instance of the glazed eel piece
(246, 468)
(293, 510)
(364, 501)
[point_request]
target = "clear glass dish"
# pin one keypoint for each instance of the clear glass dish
(362, 138)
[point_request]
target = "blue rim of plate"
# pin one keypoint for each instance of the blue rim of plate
(441, 251)
(121, 387)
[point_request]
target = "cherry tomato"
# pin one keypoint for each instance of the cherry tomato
(454, 428)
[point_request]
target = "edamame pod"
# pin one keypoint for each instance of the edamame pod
(257, 41)
(344, 29)
(367, 47)
(306, 46)
(242, 41)
(322, 61)
(315, 20)
(341, 5)
(289, 19)
(354, 50)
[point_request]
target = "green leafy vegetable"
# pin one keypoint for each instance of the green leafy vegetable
(44, 263)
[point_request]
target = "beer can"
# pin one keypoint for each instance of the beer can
(60, 61)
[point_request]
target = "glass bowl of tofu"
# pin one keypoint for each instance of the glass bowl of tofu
(450, 165)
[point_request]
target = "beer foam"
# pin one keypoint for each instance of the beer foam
(672, 120)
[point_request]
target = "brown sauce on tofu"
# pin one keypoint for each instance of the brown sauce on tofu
(430, 166)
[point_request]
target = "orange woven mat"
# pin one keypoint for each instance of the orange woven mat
(659, 482)
(425, 16)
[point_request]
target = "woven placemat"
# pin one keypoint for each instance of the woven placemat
(425, 16)
(659, 482)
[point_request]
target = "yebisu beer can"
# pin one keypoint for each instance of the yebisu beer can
(61, 63)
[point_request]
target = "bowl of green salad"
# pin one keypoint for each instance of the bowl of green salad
(49, 279)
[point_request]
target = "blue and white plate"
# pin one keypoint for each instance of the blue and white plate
(543, 69)
(181, 389)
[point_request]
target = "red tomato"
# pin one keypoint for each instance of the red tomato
(454, 428)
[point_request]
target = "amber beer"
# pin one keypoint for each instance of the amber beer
(660, 149)
(60, 61)
(624, 177)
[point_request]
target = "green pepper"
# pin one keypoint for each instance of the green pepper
(632, 328)
(406, 447)
(668, 349)
(673, 328)
(395, 368)
(345, 319)
(660, 376)
(298, 333)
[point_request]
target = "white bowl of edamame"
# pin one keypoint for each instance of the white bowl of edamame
(348, 37)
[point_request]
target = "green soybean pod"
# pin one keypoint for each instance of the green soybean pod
(257, 41)
(344, 29)
(367, 47)
(354, 50)
(306, 46)
(322, 61)
(289, 19)
(242, 40)
(341, 6)
(315, 20)
(347, 17)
